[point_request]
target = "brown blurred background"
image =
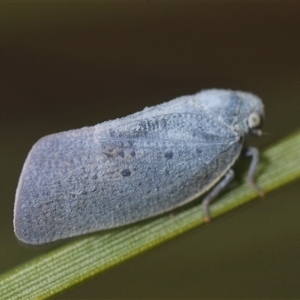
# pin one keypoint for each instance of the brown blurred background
(68, 65)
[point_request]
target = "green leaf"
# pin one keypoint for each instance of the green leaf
(76, 261)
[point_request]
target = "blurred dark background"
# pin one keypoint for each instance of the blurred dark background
(69, 65)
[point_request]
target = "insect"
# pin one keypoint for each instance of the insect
(129, 169)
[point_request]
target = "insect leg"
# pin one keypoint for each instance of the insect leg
(215, 192)
(254, 153)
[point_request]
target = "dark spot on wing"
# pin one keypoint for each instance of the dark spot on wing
(130, 143)
(122, 154)
(114, 152)
(126, 172)
(199, 151)
(108, 155)
(169, 155)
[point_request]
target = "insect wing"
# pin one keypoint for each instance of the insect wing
(102, 177)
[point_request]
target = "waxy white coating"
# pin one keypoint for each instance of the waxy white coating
(129, 169)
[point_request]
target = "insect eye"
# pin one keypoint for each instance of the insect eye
(254, 121)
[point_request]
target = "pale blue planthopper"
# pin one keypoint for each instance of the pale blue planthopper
(129, 169)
